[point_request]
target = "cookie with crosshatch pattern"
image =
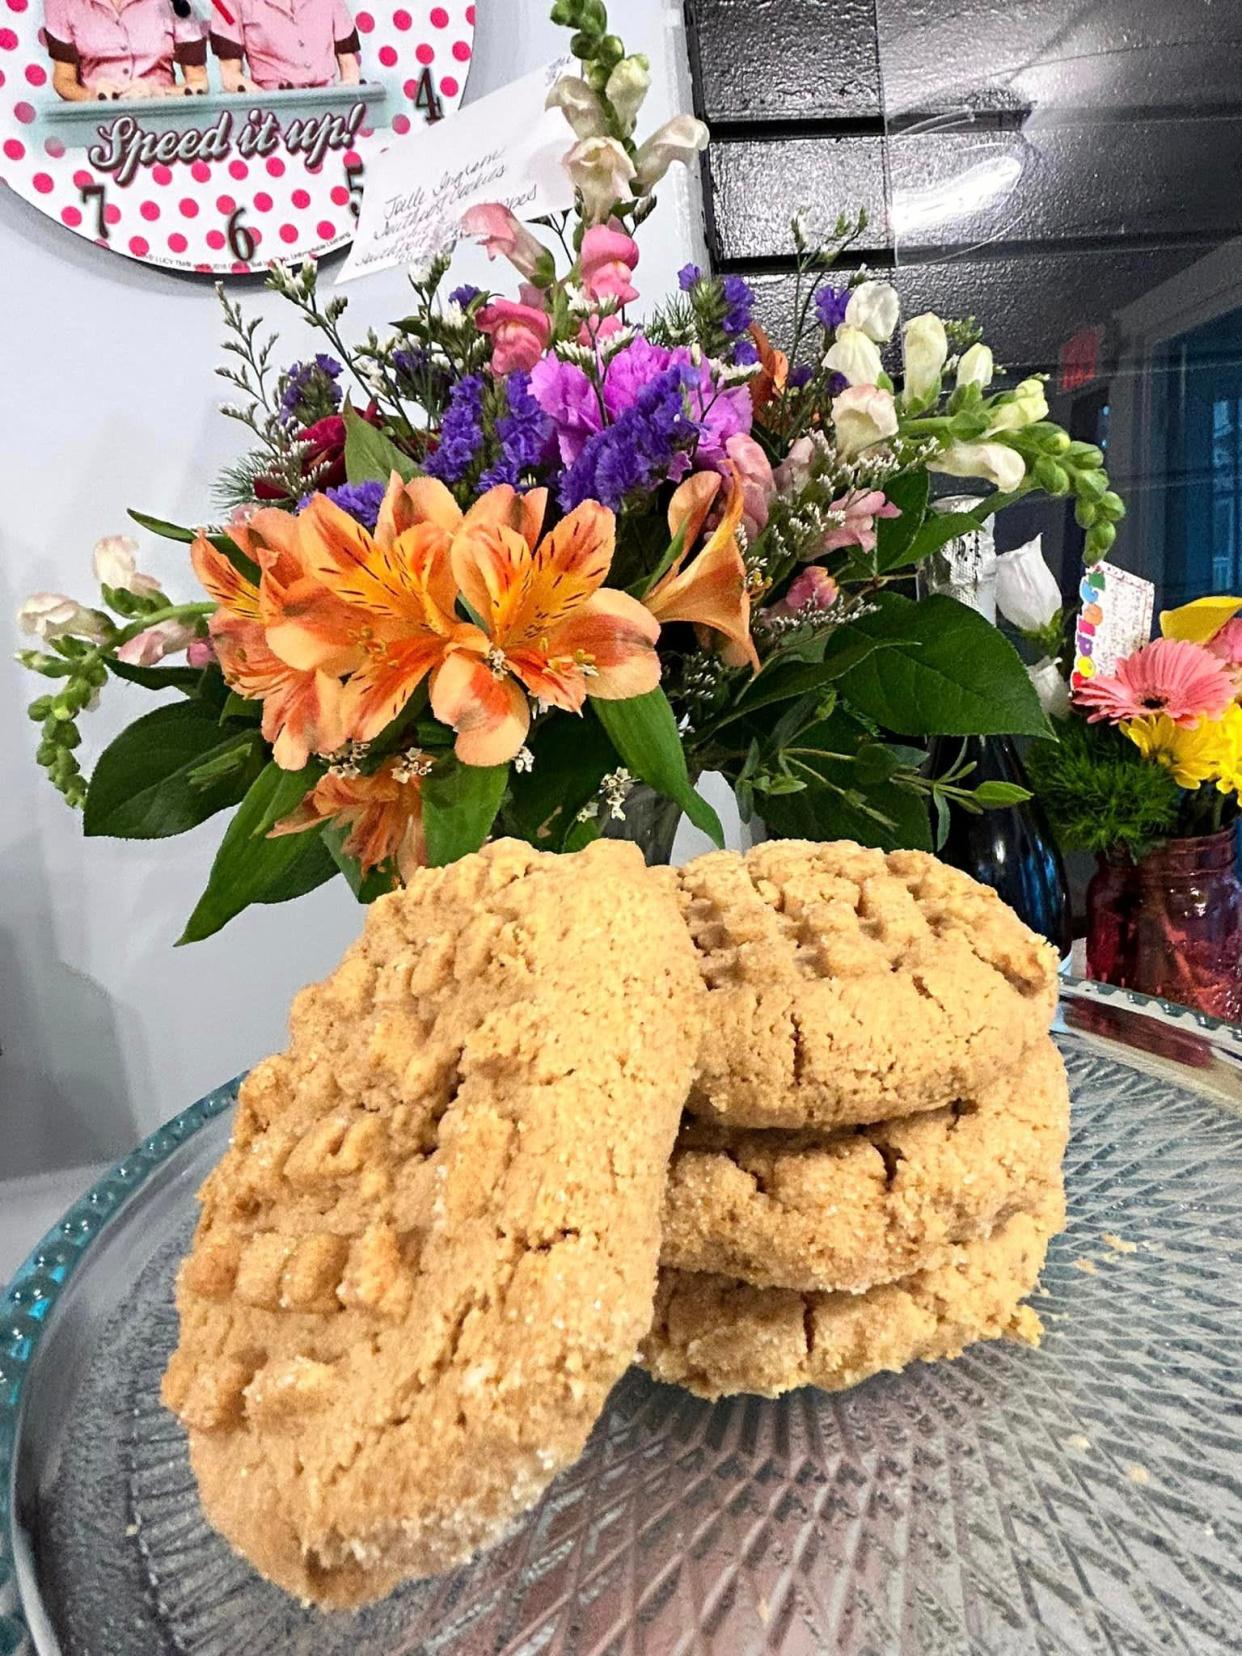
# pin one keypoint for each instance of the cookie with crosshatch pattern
(431, 1247)
(850, 985)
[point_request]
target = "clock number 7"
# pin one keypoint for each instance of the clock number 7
(353, 175)
(98, 194)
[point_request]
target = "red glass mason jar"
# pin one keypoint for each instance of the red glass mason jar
(1171, 924)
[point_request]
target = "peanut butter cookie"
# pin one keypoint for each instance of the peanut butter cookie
(866, 1204)
(847, 985)
(715, 1336)
(431, 1247)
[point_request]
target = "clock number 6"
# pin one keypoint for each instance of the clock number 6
(97, 194)
(241, 240)
(353, 175)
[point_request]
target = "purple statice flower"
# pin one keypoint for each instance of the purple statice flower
(362, 501)
(799, 374)
(649, 441)
(565, 394)
(836, 384)
(687, 276)
(524, 431)
(311, 391)
(461, 432)
(740, 302)
(464, 295)
(830, 306)
(744, 352)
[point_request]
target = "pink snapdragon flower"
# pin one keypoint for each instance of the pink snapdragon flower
(520, 332)
(1182, 681)
(754, 473)
(608, 260)
(1226, 645)
(201, 652)
(814, 589)
(502, 233)
(861, 508)
(165, 638)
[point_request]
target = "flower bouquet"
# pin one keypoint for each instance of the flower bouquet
(490, 574)
(1146, 774)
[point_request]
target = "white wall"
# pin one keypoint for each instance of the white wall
(109, 400)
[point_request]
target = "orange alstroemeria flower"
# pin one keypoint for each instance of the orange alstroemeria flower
(302, 706)
(396, 590)
(711, 590)
(548, 626)
(383, 812)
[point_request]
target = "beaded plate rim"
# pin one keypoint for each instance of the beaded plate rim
(30, 1300)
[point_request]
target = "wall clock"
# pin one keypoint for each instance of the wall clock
(216, 135)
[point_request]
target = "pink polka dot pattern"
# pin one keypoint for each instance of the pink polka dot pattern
(202, 214)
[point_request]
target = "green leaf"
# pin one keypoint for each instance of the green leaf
(253, 869)
(668, 558)
(993, 795)
(185, 679)
(284, 793)
(945, 671)
(460, 803)
(644, 732)
(370, 456)
(939, 529)
(572, 758)
(837, 802)
(144, 785)
(894, 536)
(366, 887)
(222, 543)
(241, 707)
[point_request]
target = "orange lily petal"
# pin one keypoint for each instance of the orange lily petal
(688, 509)
(309, 627)
(350, 562)
(227, 585)
(617, 636)
(301, 716)
(490, 715)
(384, 817)
(429, 502)
(711, 591)
(492, 567)
(379, 690)
(272, 539)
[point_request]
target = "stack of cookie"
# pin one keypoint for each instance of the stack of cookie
(432, 1246)
(869, 1169)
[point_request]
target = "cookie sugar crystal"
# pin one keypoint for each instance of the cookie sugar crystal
(431, 1247)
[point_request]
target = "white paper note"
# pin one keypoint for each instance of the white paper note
(507, 147)
(1115, 619)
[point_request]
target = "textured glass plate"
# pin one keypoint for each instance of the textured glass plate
(1082, 1498)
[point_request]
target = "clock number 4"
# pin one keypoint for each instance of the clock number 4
(99, 195)
(425, 98)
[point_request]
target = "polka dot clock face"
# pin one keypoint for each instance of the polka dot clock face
(217, 135)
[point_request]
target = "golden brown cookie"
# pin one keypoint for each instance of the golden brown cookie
(852, 986)
(865, 1204)
(431, 1247)
(715, 1336)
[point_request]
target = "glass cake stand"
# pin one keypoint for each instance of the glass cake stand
(1081, 1498)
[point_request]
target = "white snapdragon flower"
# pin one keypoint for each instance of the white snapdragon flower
(926, 351)
(114, 566)
(1027, 593)
(1026, 405)
(627, 87)
(677, 140)
(862, 416)
(995, 462)
(601, 172)
(579, 105)
(874, 308)
(854, 354)
(1050, 686)
(976, 367)
(48, 615)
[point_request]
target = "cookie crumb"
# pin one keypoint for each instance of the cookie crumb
(131, 1530)
(1118, 1243)
(1138, 1474)
(1078, 1440)
(1087, 1265)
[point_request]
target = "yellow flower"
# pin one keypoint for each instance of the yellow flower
(1193, 755)
(1229, 756)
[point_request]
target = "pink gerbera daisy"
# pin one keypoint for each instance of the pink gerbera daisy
(1168, 676)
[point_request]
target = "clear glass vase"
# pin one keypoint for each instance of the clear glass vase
(650, 820)
(1170, 924)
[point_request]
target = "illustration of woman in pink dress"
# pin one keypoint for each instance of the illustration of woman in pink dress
(286, 43)
(124, 49)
